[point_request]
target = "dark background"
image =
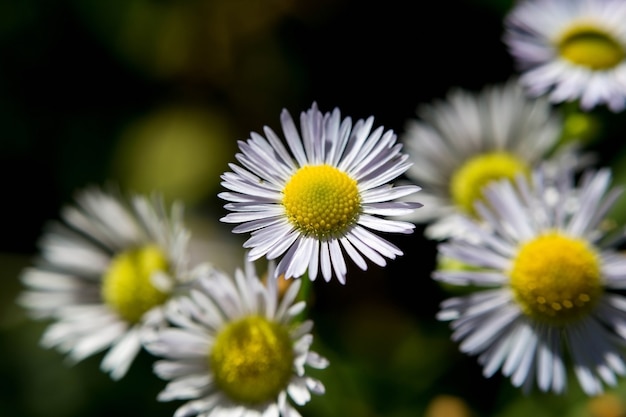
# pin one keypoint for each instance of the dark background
(67, 90)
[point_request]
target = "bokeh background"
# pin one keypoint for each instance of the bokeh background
(149, 95)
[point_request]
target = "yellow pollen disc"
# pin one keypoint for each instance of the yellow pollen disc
(321, 200)
(252, 360)
(468, 182)
(591, 47)
(556, 279)
(126, 285)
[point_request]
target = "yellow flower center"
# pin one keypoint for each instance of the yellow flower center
(590, 47)
(556, 279)
(321, 200)
(468, 182)
(252, 360)
(126, 285)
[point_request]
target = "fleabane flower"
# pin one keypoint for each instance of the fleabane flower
(104, 274)
(322, 196)
(571, 50)
(550, 284)
(235, 347)
(461, 144)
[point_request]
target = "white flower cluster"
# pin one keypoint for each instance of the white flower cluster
(517, 214)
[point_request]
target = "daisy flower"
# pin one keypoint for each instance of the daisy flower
(571, 49)
(236, 348)
(549, 283)
(104, 274)
(460, 144)
(320, 197)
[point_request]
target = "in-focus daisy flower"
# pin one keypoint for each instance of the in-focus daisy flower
(104, 274)
(551, 281)
(460, 144)
(571, 49)
(320, 197)
(235, 347)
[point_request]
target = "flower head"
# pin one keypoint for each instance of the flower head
(321, 197)
(461, 144)
(571, 49)
(235, 347)
(550, 276)
(104, 274)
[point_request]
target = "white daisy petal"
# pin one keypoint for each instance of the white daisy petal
(299, 391)
(179, 344)
(85, 345)
(314, 261)
(525, 368)
(195, 369)
(325, 261)
(338, 262)
(278, 147)
(258, 224)
(314, 360)
(196, 407)
(293, 137)
(358, 137)
(366, 250)
(384, 225)
(171, 370)
(548, 40)
(354, 255)
(549, 284)
(82, 280)
(288, 219)
(388, 193)
(379, 244)
(392, 209)
(459, 144)
(272, 241)
(119, 358)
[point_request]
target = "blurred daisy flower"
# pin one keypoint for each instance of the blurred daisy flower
(571, 49)
(104, 275)
(459, 145)
(236, 348)
(321, 197)
(551, 281)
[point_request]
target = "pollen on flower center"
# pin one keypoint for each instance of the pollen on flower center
(556, 279)
(321, 200)
(467, 183)
(126, 285)
(590, 47)
(252, 360)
